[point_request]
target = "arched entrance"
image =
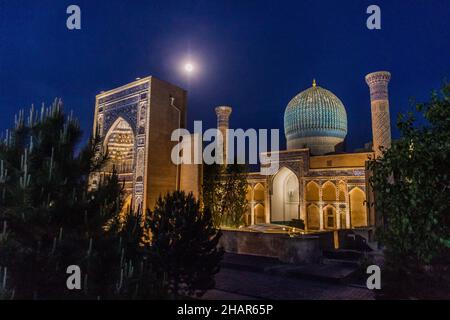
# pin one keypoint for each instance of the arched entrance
(285, 196)
(119, 142)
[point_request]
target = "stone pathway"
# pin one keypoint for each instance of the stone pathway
(243, 285)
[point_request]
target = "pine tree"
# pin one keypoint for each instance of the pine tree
(184, 244)
(123, 268)
(52, 221)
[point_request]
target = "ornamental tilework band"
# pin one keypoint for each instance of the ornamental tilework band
(128, 113)
(124, 93)
(378, 84)
(131, 105)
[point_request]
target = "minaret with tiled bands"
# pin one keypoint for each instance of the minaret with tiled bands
(379, 100)
(223, 118)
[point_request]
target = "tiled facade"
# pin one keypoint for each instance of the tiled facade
(314, 183)
(327, 192)
(135, 123)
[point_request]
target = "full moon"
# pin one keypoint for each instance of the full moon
(189, 67)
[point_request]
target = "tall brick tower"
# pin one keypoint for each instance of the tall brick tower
(379, 100)
(135, 122)
(223, 116)
(381, 131)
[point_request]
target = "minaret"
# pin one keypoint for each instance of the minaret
(379, 101)
(223, 116)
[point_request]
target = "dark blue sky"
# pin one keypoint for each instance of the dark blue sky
(253, 55)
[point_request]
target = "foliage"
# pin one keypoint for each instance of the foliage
(224, 194)
(184, 244)
(212, 191)
(123, 268)
(234, 201)
(411, 183)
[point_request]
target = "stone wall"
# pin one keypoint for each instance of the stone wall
(191, 174)
(296, 250)
(165, 115)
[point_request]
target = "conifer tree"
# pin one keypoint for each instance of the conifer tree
(184, 244)
(51, 220)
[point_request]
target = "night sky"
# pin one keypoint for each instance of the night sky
(252, 55)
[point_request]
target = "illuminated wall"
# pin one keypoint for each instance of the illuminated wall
(135, 122)
(358, 208)
(285, 196)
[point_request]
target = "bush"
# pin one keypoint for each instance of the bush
(184, 244)
(411, 183)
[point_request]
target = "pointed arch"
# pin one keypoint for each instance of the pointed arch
(119, 123)
(285, 196)
(328, 191)
(119, 141)
(312, 191)
(249, 195)
(258, 192)
(358, 214)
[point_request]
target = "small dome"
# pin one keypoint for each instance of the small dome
(315, 119)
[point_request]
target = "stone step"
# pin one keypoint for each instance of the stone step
(340, 261)
(332, 273)
(246, 262)
(356, 240)
(343, 254)
(332, 270)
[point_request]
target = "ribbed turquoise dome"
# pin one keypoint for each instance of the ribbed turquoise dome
(315, 112)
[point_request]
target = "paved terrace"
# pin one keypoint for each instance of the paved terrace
(250, 277)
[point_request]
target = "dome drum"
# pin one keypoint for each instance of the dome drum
(318, 145)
